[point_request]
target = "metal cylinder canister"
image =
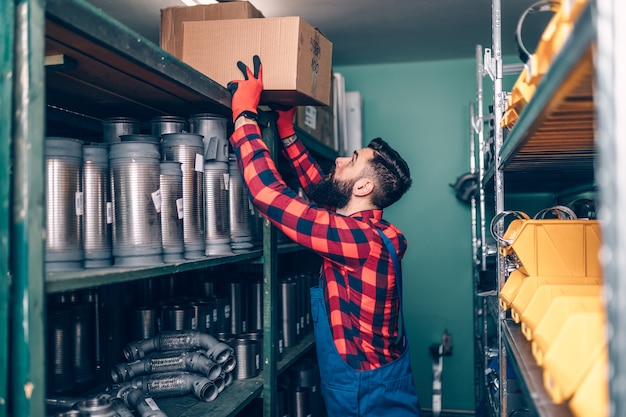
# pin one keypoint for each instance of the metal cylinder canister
(162, 125)
(239, 209)
(97, 207)
(135, 184)
(64, 204)
(187, 149)
(172, 212)
(144, 323)
(288, 312)
(216, 216)
(114, 127)
(247, 357)
(212, 127)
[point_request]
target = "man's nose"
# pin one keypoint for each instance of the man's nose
(340, 161)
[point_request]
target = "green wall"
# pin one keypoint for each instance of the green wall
(422, 110)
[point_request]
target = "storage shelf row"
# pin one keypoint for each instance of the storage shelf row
(530, 375)
(551, 147)
(93, 68)
(64, 281)
(234, 398)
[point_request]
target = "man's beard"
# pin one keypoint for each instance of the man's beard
(331, 193)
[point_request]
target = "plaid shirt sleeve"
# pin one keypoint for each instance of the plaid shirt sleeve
(359, 280)
(339, 238)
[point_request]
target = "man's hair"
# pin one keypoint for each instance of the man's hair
(391, 172)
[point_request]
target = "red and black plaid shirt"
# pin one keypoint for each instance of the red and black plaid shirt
(358, 274)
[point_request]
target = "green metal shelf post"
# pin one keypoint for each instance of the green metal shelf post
(270, 289)
(6, 110)
(28, 205)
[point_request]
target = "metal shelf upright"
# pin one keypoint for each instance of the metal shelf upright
(567, 138)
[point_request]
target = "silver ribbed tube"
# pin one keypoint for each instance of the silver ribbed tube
(247, 357)
(162, 125)
(172, 212)
(114, 127)
(64, 204)
(135, 183)
(187, 149)
(212, 127)
(239, 209)
(216, 218)
(97, 206)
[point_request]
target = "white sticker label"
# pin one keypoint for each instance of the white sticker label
(78, 202)
(215, 315)
(199, 163)
(153, 406)
(109, 212)
(227, 311)
(226, 181)
(180, 208)
(258, 361)
(310, 117)
(156, 200)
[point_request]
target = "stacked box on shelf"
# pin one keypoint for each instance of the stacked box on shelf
(556, 296)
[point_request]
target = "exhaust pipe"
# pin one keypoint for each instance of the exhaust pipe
(139, 401)
(197, 362)
(174, 384)
(179, 340)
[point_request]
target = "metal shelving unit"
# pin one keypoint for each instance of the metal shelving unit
(73, 67)
(565, 139)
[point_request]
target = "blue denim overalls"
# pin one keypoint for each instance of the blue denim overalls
(386, 391)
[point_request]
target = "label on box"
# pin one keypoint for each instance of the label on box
(180, 208)
(109, 212)
(199, 167)
(310, 117)
(79, 203)
(156, 200)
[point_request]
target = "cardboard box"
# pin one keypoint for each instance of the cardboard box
(172, 20)
(296, 58)
(317, 121)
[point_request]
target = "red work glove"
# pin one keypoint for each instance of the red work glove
(247, 92)
(284, 122)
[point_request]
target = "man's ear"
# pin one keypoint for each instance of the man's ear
(363, 187)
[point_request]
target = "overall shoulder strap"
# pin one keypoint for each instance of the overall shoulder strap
(398, 269)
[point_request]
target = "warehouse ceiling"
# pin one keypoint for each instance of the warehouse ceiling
(374, 31)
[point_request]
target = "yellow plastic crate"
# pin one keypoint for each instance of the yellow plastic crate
(552, 39)
(521, 94)
(560, 311)
(572, 9)
(531, 284)
(556, 247)
(578, 345)
(510, 288)
(544, 296)
(592, 396)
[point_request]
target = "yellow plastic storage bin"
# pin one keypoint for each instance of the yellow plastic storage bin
(592, 396)
(560, 311)
(556, 247)
(521, 94)
(510, 288)
(543, 298)
(531, 284)
(572, 354)
(550, 44)
(572, 9)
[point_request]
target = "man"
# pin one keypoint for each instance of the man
(364, 362)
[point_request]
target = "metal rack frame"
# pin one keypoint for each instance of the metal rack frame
(584, 73)
(153, 82)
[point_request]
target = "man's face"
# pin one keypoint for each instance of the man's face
(335, 190)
